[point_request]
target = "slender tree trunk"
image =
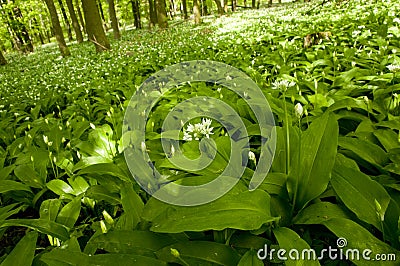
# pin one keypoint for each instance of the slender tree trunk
(57, 28)
(269, 3)
(75, 23)
(22, 32)
(94, 26)
(245, 3)
(136, 13)
(3, 60)
(233, 5)
(67, 25)
(225, 2)
(196, 12)
(161, 14)
(114, 20)
(184, 9)
(78, 9)
(152, 14)
(258, 4)
(100, 6)
(253, 4)
(219, 7)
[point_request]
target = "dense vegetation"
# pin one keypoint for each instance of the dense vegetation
(68, 198)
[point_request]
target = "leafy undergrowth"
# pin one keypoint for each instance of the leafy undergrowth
(67, 196)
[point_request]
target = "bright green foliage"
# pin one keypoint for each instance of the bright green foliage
(335, 172)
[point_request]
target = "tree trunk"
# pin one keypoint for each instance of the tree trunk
(258, 4)
(269, 3)
(22, 32)
(114, 20)
(75, 23)
(161, 14)
(225, 2)
(67, 25)
(78, 9)
(94, 26)
(233, 5)
(152, 14)
(100, 6)
(184, 9)
(219, 7)
(196, 12)
(57, 28)
(3, 60)
(136, 13)
(253, 4)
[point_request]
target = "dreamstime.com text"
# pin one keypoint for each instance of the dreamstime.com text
(331, 253)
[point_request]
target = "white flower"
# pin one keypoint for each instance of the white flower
(393, 68)
(45, 139)
(282, 85)
(198, 130)
(252, 157)
(298, 110)
(396, 20)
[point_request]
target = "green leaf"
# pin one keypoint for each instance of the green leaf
(245, 210)
(99, 192)
(359, 193)
(23, 252)
(28, 175)
(366, 150)
(200, 253)
(106, 169)
(10, 185)
(319, 212)
(64, 257)
(132, 205)
(59, 187)
(69, 213)
(41, 225)
(361, 239)
(317, 157)
(250, 259)
(129, 242)
(289, 240)
(49, 209)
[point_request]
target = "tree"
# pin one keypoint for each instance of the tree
(136, 13)
(184, 9)
(78, 9)
(75, 23)
(234, 5)
(114, 20)
(219, 7)
(94, 26)
(152, 13)
(57, 28)
(3, 60)
(196, 12)
(67, 25)
(162, 19)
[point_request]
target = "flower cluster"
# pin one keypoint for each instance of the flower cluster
(282, 85)
(198, 130)
(393, 68)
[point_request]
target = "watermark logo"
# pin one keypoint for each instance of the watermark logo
(330, 253)
(153, 89)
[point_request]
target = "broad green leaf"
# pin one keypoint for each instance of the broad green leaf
(69, 213)
(245, 210)
(367, 151)
(23, 252)
(250, 259)
(359, 193)
(78, 184)
(132, 205)
(310, 177)
(289, 241)
(388, 138)
(28, 175)
(320, 212)
(44, 226)
(200, 253)
(105, 169)
(129, 242)
(361, 239)
(49, 209)
(99, 192)
(9, 210)
(59, 187)
(64, 257)
(10, 185)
